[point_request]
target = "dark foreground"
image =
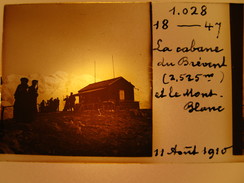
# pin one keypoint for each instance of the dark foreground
(122, 134)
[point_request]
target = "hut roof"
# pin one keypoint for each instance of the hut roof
(101, 85)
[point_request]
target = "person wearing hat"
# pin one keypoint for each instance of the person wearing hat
(33, 94)
(21, 97)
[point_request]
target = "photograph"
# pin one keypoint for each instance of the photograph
(77, 80)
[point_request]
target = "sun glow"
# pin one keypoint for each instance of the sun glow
(73, 46)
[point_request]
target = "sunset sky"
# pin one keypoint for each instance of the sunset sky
(65, 45)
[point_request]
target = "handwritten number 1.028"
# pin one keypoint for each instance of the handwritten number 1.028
(192, 10)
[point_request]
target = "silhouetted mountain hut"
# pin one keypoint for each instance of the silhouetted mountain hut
(116, 93)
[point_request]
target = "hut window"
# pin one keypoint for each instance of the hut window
(121, 95)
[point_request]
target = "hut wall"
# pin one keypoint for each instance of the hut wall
(121, 85)
(111, 93)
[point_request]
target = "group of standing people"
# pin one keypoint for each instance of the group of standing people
(25, 105)
(51, 105)
(69, 103)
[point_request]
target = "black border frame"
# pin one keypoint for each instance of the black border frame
(236, 24)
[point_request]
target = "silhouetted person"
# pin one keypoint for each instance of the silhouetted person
(42, 106)
(56, 104)
(33, 94)
(20, 104)
(67, 103)
(51, 105)
(71, 102)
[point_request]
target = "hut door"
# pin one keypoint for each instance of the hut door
(121, 95)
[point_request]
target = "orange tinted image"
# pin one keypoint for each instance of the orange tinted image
(76, 80)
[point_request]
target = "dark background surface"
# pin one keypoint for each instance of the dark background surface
(236, 21)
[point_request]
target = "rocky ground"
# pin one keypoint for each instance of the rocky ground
(121, 134)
